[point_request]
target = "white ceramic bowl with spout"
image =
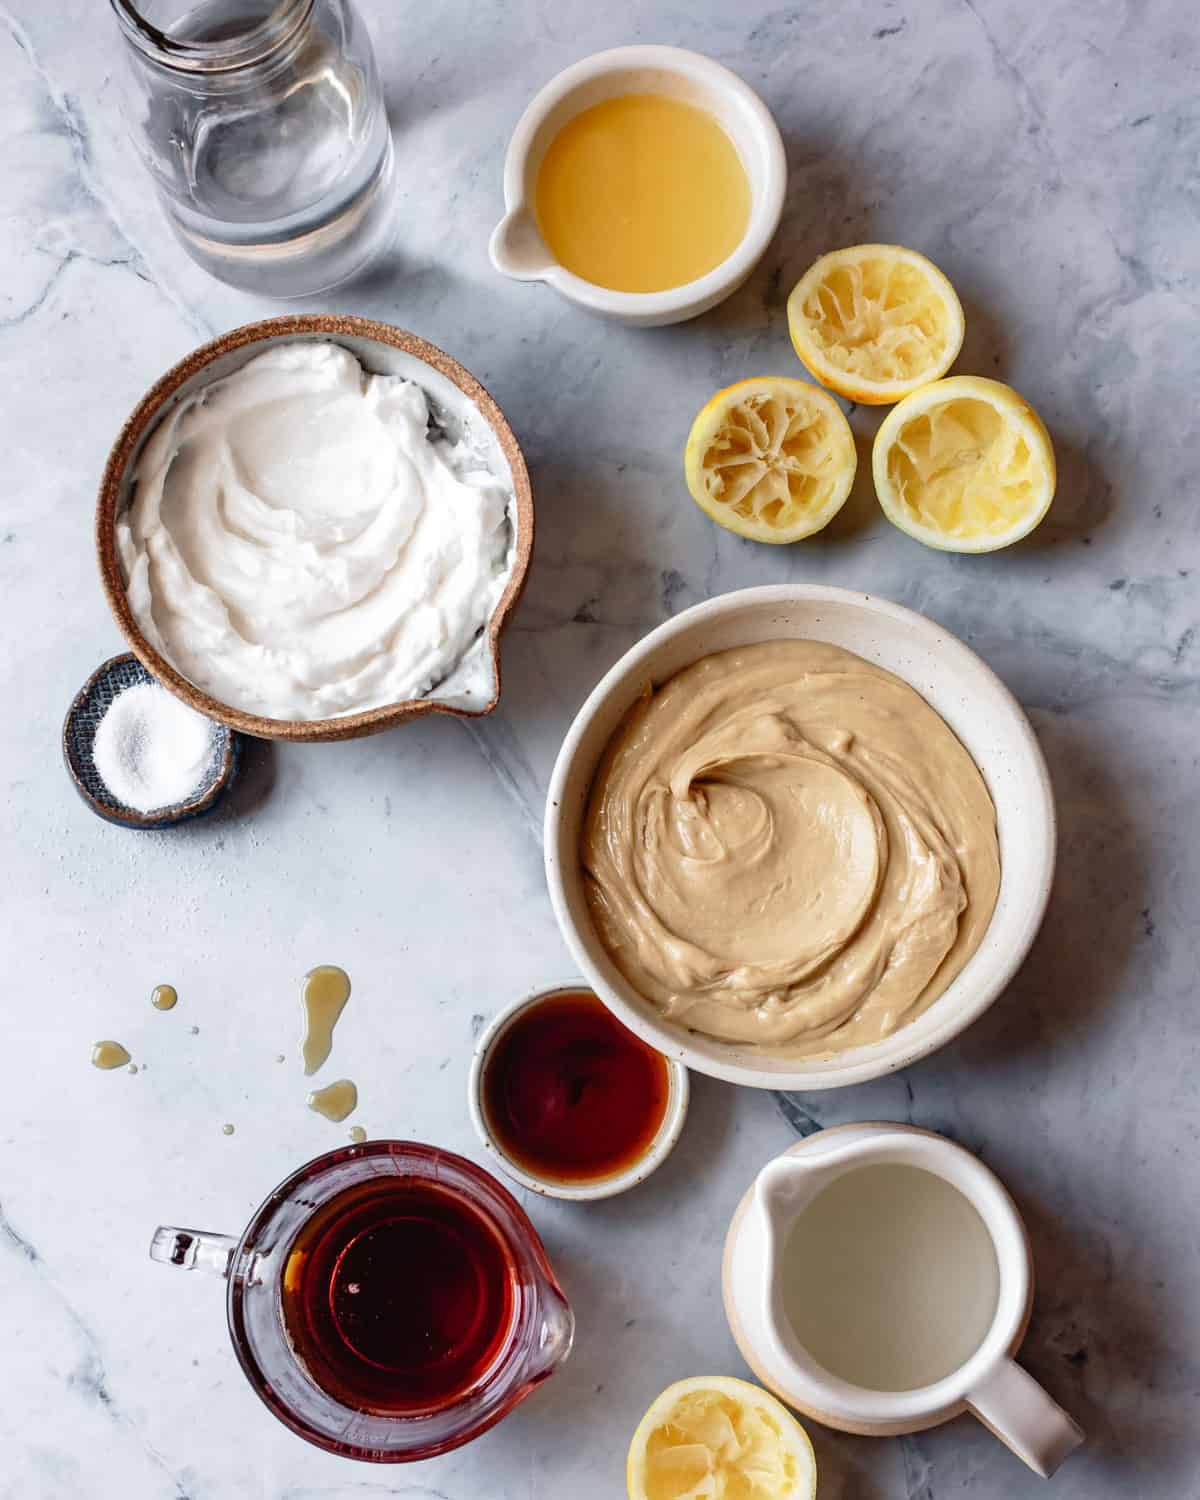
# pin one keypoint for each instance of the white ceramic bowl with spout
(517, 248)
(952, 680)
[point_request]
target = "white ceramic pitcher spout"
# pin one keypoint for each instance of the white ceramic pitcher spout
(790, 1182)
(989, 1383)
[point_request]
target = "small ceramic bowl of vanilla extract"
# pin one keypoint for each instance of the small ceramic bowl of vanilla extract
(568, 1101)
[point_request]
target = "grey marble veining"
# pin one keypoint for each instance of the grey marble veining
(1045, 156)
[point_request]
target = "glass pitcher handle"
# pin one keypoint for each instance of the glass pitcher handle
(193, 1249)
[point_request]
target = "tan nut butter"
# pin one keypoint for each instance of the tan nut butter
(786, 846)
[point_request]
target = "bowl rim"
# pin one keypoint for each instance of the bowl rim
(664, 1141)
(766, 207)
(802, 1074)
(147, 413)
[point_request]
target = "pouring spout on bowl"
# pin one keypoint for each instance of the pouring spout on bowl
(517, 249)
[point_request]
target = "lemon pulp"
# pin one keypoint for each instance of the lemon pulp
(770, 458)
(964, 464)
(710, 1432)
(641, 193)
(720, 1439)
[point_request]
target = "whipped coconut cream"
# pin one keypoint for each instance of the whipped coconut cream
(301, 545)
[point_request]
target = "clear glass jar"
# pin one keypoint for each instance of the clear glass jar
(263, 125)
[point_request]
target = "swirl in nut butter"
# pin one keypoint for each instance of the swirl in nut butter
(786, 846)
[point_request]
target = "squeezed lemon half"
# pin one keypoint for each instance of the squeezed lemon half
(715, 1438)
(770, 458)
(874, 322)
(964, 464)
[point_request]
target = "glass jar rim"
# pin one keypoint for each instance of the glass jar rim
(243, 50)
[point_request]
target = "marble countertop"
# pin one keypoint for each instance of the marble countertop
(1045, 157)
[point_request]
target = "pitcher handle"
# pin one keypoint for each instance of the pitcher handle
(193, 1249)
(1025, 1418)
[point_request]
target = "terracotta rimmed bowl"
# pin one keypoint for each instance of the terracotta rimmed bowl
(457, 400)
(952, 679)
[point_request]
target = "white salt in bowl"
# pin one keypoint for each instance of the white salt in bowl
(952, 679)
(84, 718)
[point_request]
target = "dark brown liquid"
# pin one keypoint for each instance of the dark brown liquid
(398, 1296)
(570, 1094)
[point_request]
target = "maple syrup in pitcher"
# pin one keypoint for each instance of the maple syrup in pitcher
(388, 1301)
(398, 1296)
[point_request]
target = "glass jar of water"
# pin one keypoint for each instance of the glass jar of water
(263, 125)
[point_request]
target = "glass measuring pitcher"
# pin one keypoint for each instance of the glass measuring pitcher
(388, 1301)
(262, 124)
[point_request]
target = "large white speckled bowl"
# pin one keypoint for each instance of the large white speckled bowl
(967, 694)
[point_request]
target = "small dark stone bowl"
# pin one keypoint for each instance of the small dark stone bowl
(79, 730)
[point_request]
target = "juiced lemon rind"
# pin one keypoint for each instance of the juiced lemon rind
(701, 1432)
(875, 322)
(964, 465)
(771, 458)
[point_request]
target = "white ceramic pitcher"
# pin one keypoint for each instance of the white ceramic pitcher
(990, 1383)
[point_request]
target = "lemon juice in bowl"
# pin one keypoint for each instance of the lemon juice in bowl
(642, 193)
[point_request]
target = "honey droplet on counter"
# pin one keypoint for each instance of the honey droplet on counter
(164, 997)
(357, 1134)
(335, 1101)
(109, 1055)
(226, 1129)
(326, 990)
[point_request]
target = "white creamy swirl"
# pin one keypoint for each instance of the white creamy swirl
(786, 846)
(299, 548)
